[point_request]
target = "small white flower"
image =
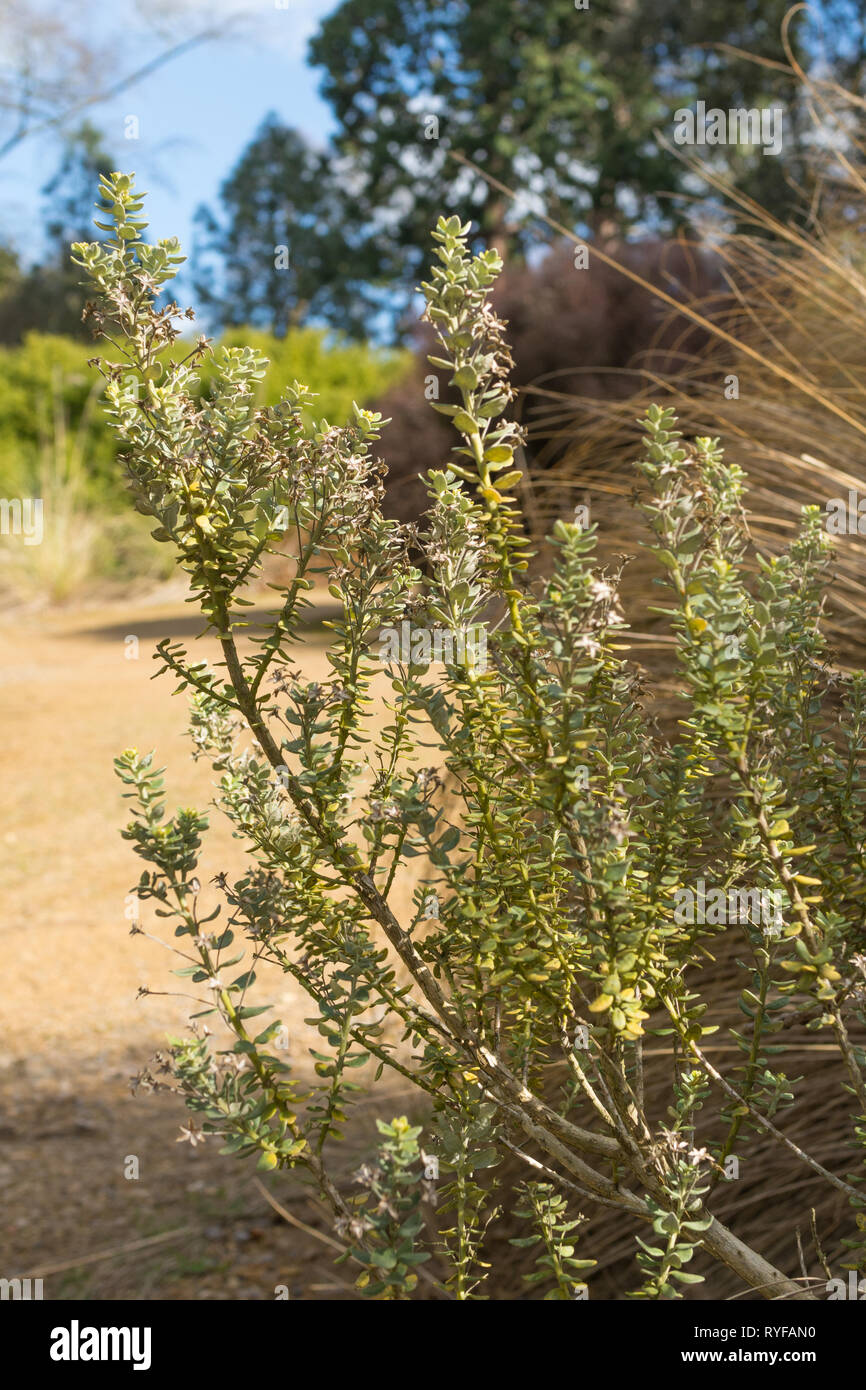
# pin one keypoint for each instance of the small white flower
(601, 591)
(192, 1134)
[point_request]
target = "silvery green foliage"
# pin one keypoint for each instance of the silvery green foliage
(534, 798)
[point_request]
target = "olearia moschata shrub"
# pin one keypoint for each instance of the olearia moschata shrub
(573, 869)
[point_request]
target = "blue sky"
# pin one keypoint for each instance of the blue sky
(195, 116)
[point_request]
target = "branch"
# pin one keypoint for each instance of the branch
(106, 94)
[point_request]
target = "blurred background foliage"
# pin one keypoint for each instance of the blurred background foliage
(312, 252)
(55, 444)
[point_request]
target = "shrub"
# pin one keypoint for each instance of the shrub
(568, 333)
(55, 444)
(47, 391)
(343, 371)
(572, 867)
(46, 378)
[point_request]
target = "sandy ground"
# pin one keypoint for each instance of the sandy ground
(193, 1225)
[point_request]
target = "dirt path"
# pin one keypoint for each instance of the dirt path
(72, 695)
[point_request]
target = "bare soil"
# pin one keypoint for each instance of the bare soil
(192, 1224)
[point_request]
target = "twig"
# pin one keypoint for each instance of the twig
(329, 1240)
(783, 1297)
(134, 1245)
(24, 130)
(295, 1221)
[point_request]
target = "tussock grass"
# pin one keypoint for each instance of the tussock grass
(793, 333)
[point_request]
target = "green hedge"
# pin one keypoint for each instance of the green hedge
(48, 408)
